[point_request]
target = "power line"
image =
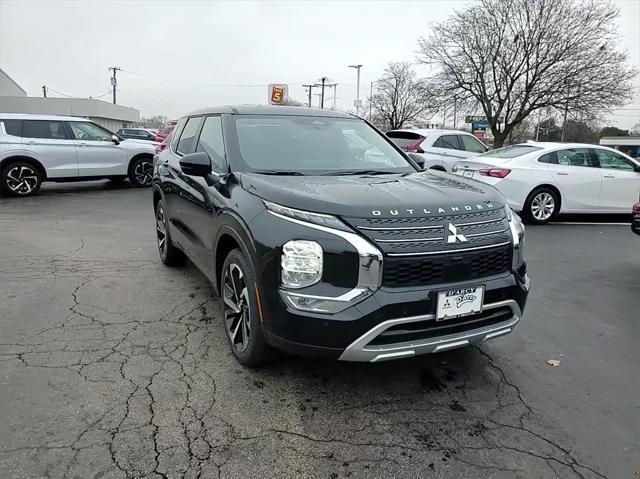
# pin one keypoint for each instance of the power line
(220, 85)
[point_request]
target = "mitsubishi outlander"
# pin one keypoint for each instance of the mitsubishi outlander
(324, 238)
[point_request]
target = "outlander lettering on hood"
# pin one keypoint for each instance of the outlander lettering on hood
(432, 210)
(323, 238)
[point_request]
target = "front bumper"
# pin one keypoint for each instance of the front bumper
(395, 324)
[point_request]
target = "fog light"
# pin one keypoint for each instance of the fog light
(301, 263)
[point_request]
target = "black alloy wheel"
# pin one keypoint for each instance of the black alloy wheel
(141, 172)
(21, 178)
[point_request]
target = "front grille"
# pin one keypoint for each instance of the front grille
(403, 333)
(429, 235)
(449, 268)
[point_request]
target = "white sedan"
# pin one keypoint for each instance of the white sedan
(544, 179)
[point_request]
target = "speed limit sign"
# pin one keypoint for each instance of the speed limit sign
(278, 93)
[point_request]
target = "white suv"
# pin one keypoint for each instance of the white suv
(440, 149)
(37, 148)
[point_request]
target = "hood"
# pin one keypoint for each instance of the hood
(417, 194)
(133, 144)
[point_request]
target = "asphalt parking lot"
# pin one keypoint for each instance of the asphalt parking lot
(112, 365)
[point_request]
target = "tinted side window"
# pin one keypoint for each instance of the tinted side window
(212, 142)
(469, 143)
(89, 131)
(448, 141)
(573, 157)
(613, 161)
(549, 158)
(176, 133)
(51, 130)
(13, 127)
(186, 143)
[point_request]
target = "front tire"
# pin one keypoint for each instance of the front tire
(541, 206)
(20, 178)
(242, 323)
(141, 171)
(169, 254)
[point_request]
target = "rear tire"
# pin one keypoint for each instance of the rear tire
(542, 205)
(20, 178)
(242, 323)
(141, 171)
(169, 254)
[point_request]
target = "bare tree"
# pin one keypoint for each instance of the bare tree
(513, 57)
(399, 97)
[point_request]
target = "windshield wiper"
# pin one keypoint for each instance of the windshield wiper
(280, 172)
(360, 172)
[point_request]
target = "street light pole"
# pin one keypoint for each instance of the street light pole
(370, 95)
(357, 67)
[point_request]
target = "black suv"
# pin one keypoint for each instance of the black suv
(323, 238)
(136, 134)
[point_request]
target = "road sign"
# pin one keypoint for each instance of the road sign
(278, 93)
(480, 118)
(357, 103)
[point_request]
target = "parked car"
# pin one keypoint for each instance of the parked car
(439, 148)
(544, 179)
(136, 134)
(165, 131)
(635, 221)
(318, 248)
(37, 148)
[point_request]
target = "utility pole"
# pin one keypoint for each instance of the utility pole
(455, 112)
(357, 103)
(324, 81)
(370, 102)
(332, 85)
(44, 91)
(114, 81)
(309, 89)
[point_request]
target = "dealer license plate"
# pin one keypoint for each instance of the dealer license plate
(459, 302)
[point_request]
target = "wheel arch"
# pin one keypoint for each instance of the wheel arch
(143, 154)
(550, 186)
(231, 234)
(41, 169)
(438, 168)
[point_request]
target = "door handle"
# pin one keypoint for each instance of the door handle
(608, 176)
(82, 143)
(563, 173)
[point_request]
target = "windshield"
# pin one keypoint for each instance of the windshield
(510, 151)
(315, 145)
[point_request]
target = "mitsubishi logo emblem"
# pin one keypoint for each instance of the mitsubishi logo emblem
(454, 235)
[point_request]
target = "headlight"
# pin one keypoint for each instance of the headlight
(315, 218)
(301, 263)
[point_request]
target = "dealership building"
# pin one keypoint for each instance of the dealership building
(14, 99)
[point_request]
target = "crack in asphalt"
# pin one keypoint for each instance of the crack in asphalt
(157, 394)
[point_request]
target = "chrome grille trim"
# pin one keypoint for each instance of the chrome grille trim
(479, 222)
(407, 240)
(473, 235)
(450, 251)
(369, 228)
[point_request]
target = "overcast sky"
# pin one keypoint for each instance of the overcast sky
(179, 56)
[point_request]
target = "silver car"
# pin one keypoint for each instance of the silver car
(37, 148)
(439, 149)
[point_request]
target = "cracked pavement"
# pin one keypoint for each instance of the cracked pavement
(114, 366)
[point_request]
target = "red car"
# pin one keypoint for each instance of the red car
(165, 131)
(635, 221)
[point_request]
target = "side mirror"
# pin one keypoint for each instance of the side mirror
(115, 139)
(418, 159)
(196, 164)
